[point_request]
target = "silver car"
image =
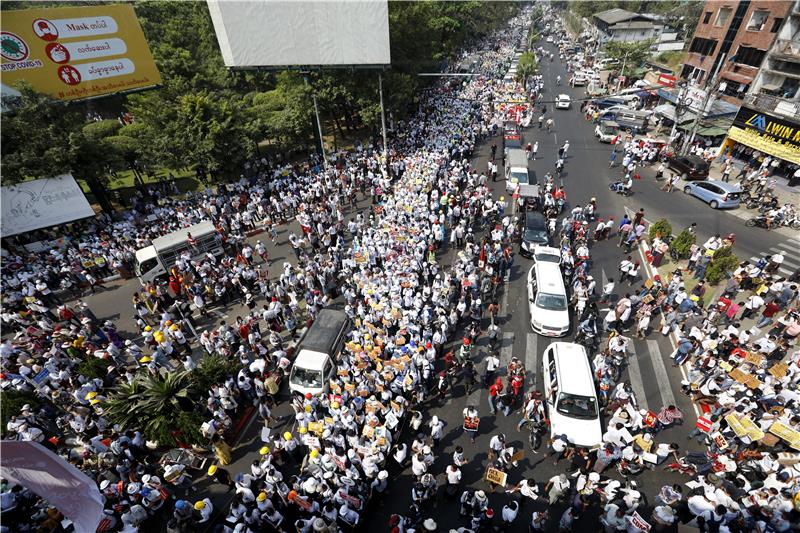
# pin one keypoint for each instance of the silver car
(717, 194)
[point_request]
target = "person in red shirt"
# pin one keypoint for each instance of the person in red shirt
(494, 392)
(767, 315)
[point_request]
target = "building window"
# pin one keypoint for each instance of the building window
(749, 56)
(737, 90)
(704, 47)
(722, 16)
(707, 17)
(758, 20)
(776, 25)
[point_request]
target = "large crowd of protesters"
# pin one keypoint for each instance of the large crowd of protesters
(415, 321)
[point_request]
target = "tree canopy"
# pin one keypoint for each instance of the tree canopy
(206, 115)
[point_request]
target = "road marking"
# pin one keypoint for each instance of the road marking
(664, 384)
(635, 375)
(532, 359)
(504, 303)
(506, 348)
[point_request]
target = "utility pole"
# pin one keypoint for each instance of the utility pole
(680, 109)
(319, 122)
(710, 87)
(383, 124)
(622, 72)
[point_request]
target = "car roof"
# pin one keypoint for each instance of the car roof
(569, 357)
(549, 278)
(695, 158)
(534, 218)
(311, 360)
(539, 249)
(724, 185)
(562, 95)
(327, 325)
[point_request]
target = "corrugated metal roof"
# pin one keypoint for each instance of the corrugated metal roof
(612, 16)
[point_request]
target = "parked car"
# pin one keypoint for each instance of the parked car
(690, 167)
(606, 131)
(717, 194)
(563, 101)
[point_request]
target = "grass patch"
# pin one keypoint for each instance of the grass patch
(668, 266)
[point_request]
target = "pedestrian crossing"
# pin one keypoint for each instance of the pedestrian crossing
(790, 249)
(646, 370)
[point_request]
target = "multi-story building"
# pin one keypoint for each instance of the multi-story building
(768, 122)
(732, 39)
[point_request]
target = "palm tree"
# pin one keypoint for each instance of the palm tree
(153, 403)
(526, 67)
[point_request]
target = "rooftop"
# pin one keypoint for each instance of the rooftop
(613, 16)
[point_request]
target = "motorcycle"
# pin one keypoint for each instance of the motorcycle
(757, 222)
(619, 188)
(537, 430)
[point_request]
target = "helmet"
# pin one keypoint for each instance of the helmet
(173, 327)
(264, 450)
(314, 453)
(287, 436)
(302, 430)
(212, 470)
(199, 505)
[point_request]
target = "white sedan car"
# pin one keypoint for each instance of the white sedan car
(563, 101)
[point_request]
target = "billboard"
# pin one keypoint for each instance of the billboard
(281, 33)
(73, 53)
(772, 135)
(42, 203)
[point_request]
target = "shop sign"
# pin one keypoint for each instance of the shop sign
(775, 136)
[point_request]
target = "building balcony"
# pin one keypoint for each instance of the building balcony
(786, 50)
(773, 105)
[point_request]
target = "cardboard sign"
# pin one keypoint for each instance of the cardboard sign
(395, 406)
(739, 376)
(354, 502)
(350, 387)
(311, 441)
(496, 476)
(644, 444)
(779, 370)
(753, 431)
(368, 431)
(752, 382)
(720, 440)
(726, 366)
(784, 432)
(328, 421)
(639, 523)
(754, 358)
(518, 456)
(391, 420)
(704, 424)
(316, 427)
(735, 425)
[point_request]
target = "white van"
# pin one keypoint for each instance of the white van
(516, 169)
(318, 353)
(570, 394)
(547, 300)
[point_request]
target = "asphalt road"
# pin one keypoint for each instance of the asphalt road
(653, 378)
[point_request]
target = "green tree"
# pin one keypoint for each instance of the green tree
(42, 138)
(630, 55)
(722, 264)
(526, 67)
(662, 228)
(154, 403)
(682, 244)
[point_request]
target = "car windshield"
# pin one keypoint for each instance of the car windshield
(520, 177)
(306, 378)
(551, 302)
(577, 406)
(535, 235)
(548, 258)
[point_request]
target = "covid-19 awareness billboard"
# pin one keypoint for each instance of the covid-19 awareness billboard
(72, 53)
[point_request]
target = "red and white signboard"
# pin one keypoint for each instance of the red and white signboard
(666, 80)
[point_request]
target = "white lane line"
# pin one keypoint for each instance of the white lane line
(635, 377)
(504, 302)
(664, 384)
(506, 348)
(531, 360)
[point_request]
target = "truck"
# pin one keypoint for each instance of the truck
(156, 260)
(318, 352)
(516, 169)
